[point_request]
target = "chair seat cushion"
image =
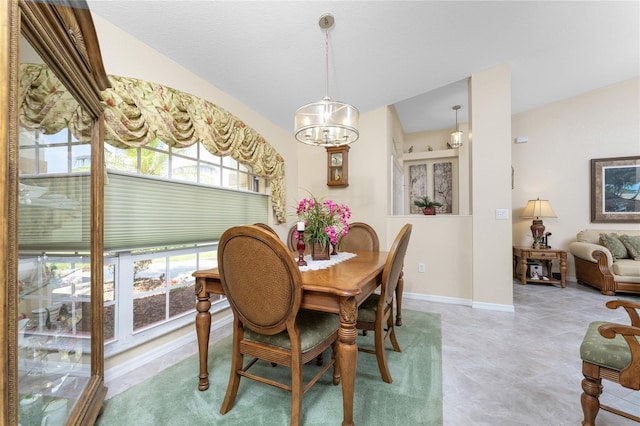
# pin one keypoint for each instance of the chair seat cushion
(314, 328)
(610, 353)
(367, 309)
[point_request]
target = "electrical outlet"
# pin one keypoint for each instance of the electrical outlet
(421, 267)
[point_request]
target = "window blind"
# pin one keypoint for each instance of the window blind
(54, 213)
(143, 212)
(140, 212)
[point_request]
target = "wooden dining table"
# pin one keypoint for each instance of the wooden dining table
(338, 289)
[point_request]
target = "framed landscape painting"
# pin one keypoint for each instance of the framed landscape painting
(615, 189)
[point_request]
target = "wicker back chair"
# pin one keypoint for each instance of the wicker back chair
(267, 227)
(376, 312)
(263, 285)
(361, 237)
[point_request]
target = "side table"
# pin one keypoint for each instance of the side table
(522, 254)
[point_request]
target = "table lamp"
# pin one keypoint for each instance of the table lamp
(536, 210)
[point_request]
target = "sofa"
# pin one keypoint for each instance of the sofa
(608, 260)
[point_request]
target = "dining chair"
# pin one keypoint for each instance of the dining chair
(610, 351)
(362, 236)
(262, 283)
(376, 312)
(267, 227)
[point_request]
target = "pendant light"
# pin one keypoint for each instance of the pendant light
(327, 122)
(456, 137)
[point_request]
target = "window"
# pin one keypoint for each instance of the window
(149, 293)
(59, 153)
(188, 193)
(192, 164)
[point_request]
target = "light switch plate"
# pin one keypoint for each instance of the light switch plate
(502, 214)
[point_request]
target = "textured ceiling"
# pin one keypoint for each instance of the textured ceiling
(414, 54)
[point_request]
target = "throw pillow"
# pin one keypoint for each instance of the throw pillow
(632, 243)
(615, 246)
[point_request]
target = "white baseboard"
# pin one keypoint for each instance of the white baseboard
(438, 299)
(459, 301)
(493, 307)
(133, 364)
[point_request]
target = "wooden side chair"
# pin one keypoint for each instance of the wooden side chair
(362, 236)
(376, 312)
(263, 285)
(612, 352)
(267, 227)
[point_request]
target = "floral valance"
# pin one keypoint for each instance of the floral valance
(136, 112)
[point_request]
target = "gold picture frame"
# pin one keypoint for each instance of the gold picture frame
(615, 190)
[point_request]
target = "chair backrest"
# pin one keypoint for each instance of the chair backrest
(260, 278)
(361, 237)
(265, 226)
(394, 264)
(292, 240)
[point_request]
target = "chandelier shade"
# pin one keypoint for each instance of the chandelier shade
(326, 122)
(456, 136)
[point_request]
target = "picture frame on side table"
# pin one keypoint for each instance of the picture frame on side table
(615, 190)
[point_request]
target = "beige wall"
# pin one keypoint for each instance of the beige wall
(555, 163)
(369, 168)
(467, 258)
(491, 186)
(126, 56)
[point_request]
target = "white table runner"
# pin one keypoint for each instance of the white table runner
(314, 265)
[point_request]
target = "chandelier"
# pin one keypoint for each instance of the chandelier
(327, 122)
(456, 137)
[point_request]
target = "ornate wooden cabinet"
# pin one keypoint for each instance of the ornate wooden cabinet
(51, 239)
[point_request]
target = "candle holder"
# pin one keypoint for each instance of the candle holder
(301, 246)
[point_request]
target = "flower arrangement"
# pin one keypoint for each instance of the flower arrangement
(325, 220)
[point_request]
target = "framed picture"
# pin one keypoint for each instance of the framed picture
(615, 189)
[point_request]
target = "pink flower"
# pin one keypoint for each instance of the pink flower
(325, 220)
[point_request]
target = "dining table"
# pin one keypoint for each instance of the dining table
(339, 288)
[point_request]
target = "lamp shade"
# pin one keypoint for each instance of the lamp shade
(327, 123)
(456, 139)
(537, 209)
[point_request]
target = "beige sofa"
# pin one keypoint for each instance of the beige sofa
(597, 267)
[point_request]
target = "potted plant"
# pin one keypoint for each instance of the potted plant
(325, 223)
(427, 205)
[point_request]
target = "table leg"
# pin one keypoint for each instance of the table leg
(203, 328)
(347, 355)
(563, 269)
(523, 269)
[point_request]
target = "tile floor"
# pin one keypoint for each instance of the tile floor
(506, 369)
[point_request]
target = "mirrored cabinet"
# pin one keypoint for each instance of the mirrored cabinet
(52, 244)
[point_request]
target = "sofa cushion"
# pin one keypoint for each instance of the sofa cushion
(632, 243)
(593, 235)
(626, 267)
(615, 246)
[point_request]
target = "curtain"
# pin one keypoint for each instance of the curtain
(137, 111)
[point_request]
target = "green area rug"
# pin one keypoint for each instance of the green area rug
(414, 398)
